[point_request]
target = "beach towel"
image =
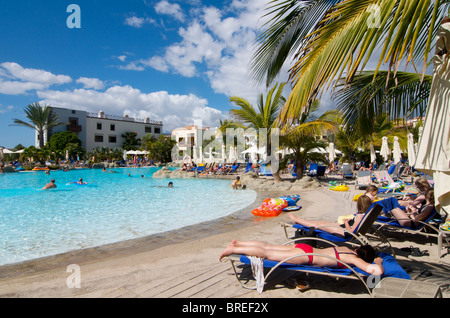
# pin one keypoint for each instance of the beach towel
(383, 176)
(258, 272)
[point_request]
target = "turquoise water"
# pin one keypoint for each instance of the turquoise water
(112, 207)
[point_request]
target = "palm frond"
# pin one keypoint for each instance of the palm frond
(344, 41)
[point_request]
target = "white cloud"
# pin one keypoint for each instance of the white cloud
(15, 80)
(94, 83)
(137, 22)
(34, 75)
(216, 43)
(172, 9)
(5, 109)
(174, 110)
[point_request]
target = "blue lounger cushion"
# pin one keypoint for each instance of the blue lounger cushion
(324, 235)
(391, 267)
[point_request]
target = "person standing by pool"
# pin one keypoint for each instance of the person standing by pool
(50, 185)
(236, 183)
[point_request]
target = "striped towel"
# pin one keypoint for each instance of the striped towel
(383, 176)
(364, 180)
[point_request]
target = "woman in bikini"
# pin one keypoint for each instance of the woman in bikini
(362, 257)
(414, 218)
(413, 205)
(350, 225)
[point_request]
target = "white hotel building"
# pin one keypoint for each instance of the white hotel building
(101, 130)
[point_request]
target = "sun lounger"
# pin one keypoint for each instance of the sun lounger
(425, 228)
(360, 234)
(265, 171)
(391, 269)
(363, 179)
(391, 287)
(383, 177)
(347, 171)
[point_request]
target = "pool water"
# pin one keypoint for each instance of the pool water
(112, 207)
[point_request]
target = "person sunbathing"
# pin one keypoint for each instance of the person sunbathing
(350, 225)
(413, 204)
(414, 219)
(362, 257)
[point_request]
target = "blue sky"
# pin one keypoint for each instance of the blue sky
(170, 60)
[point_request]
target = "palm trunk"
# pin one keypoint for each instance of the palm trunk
(277, 177)
(300, 168)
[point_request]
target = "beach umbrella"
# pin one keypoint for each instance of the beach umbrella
(433, 152)
(318, 150)
(200, 154)
(331, 152)
(384, 152)
(7, 151)
(194, 153)
(373, 155)
(124, 156)
(396, 152)
(411, 150)
(224, 154)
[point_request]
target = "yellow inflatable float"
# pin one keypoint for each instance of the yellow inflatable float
(340, 187)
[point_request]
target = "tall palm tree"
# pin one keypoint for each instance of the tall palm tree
(41, 120)
(340, 40)
(260, 119)
(301, 138)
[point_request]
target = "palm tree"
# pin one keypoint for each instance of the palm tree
(41, 120)
(301, 138)
(364, 99)
(261, 119)
(333, 39)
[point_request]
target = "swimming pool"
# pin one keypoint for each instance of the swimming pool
(112, 207)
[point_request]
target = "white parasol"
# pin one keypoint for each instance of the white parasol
(331, 152)
(396, 152)
(433, 155)
(373, 155)
(384, 152)
(411, 150)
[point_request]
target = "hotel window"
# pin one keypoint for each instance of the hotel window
(157, 130)
(99, 126)
(98, 138)
(112, 127)
(112, 139)
(148, 129)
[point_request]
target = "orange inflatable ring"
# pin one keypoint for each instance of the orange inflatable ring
(270, 208)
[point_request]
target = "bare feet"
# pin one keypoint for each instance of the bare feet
(228, 250)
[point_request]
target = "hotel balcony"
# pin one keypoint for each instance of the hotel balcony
(74, 128)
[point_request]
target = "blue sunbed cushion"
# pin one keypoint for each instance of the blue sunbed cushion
(325, 235)
(391, 267)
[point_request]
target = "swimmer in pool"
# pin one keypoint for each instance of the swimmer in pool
(50, 185)
(170, 185)
(80, 181)
(237, 183)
